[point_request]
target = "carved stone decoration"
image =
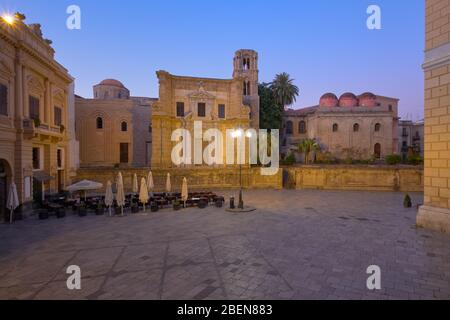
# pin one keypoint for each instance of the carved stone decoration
(34, 84)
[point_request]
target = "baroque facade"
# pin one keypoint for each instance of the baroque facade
(435, 213)
(224, 104)
(113, 128)
(37, 146)
(357, 127)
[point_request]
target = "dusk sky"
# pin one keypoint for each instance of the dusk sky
(323, 44)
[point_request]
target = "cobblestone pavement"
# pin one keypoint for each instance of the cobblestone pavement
(297, 245)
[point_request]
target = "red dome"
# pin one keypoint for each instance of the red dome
(112, 82)
(328, 100)
(368, 99)
(348, 100)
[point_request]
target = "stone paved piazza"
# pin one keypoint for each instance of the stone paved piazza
(297, 245)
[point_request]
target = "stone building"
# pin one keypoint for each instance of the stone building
(435, 213)
(411, 137)
(225, 104)
(356, 127)
(36, 103)
(113, 128)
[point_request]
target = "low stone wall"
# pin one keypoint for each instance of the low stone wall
(356, 177)
(198, 178)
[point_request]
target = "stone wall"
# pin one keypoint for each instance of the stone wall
(370, 178)
(199, 179)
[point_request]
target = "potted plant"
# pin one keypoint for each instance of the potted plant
(407, 203)
(100, 210)
(176, 205)
(43, 214)
(82, 211)
(37, 122)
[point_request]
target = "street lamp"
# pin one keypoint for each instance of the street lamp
(237, 134)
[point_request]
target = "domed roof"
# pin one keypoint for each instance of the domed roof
(112, 82)
(328, 100)
(348, 95)
(329, 95)
(369, 95)
(367, 99)
(348, 99)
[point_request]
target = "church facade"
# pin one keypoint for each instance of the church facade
(349, 127)
(223, 104)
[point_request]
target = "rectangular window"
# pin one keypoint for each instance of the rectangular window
(36, 158)
(58, 116)
(34, 107)
(201, 109)
(180, 109)
(59, 158)
(3, 100)
(221, 111)
(124, 153)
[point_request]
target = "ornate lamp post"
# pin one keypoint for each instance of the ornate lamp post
(238, 134)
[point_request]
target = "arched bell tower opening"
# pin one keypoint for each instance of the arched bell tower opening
(245, 67)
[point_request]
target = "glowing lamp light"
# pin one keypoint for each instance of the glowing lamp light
(248, 134)
(9, 19)
(237, 133)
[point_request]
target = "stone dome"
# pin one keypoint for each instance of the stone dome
(329, 100)
(368, 99)
(348, 99)
(110, 89)
(112, 82)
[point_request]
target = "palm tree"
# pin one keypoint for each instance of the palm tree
(284, 90)
(307, 146)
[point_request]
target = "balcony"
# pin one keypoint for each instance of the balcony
(33, 129)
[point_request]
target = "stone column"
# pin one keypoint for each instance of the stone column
(18, 110)
(47, 110)
(435, 213)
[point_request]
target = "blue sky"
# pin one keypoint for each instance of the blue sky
(323, 44)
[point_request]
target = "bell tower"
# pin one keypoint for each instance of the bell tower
(246, 68)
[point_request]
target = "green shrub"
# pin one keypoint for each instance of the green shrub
(407, 203)
(289, 160)
(393, 159)
(414, 160)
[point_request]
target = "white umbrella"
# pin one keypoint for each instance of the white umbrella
(135, 188)
(150, 184)
(143, 194)
(184, 191)
(168, 184)
(109, 196)
(120, 195)
(84, 185)
(13, 200)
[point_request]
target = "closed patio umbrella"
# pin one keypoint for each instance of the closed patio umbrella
(143, 193)
(109, 196)
(85, 185)
(13, 200)
(150, 184)
(168, 184)
(184, 191)
(135, 188)
(120, 195)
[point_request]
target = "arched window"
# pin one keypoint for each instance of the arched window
(335, 127)
(289, 127)
(377, 127)
(124, 126)
(99, 123)
(356, 127)
(302, 127)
